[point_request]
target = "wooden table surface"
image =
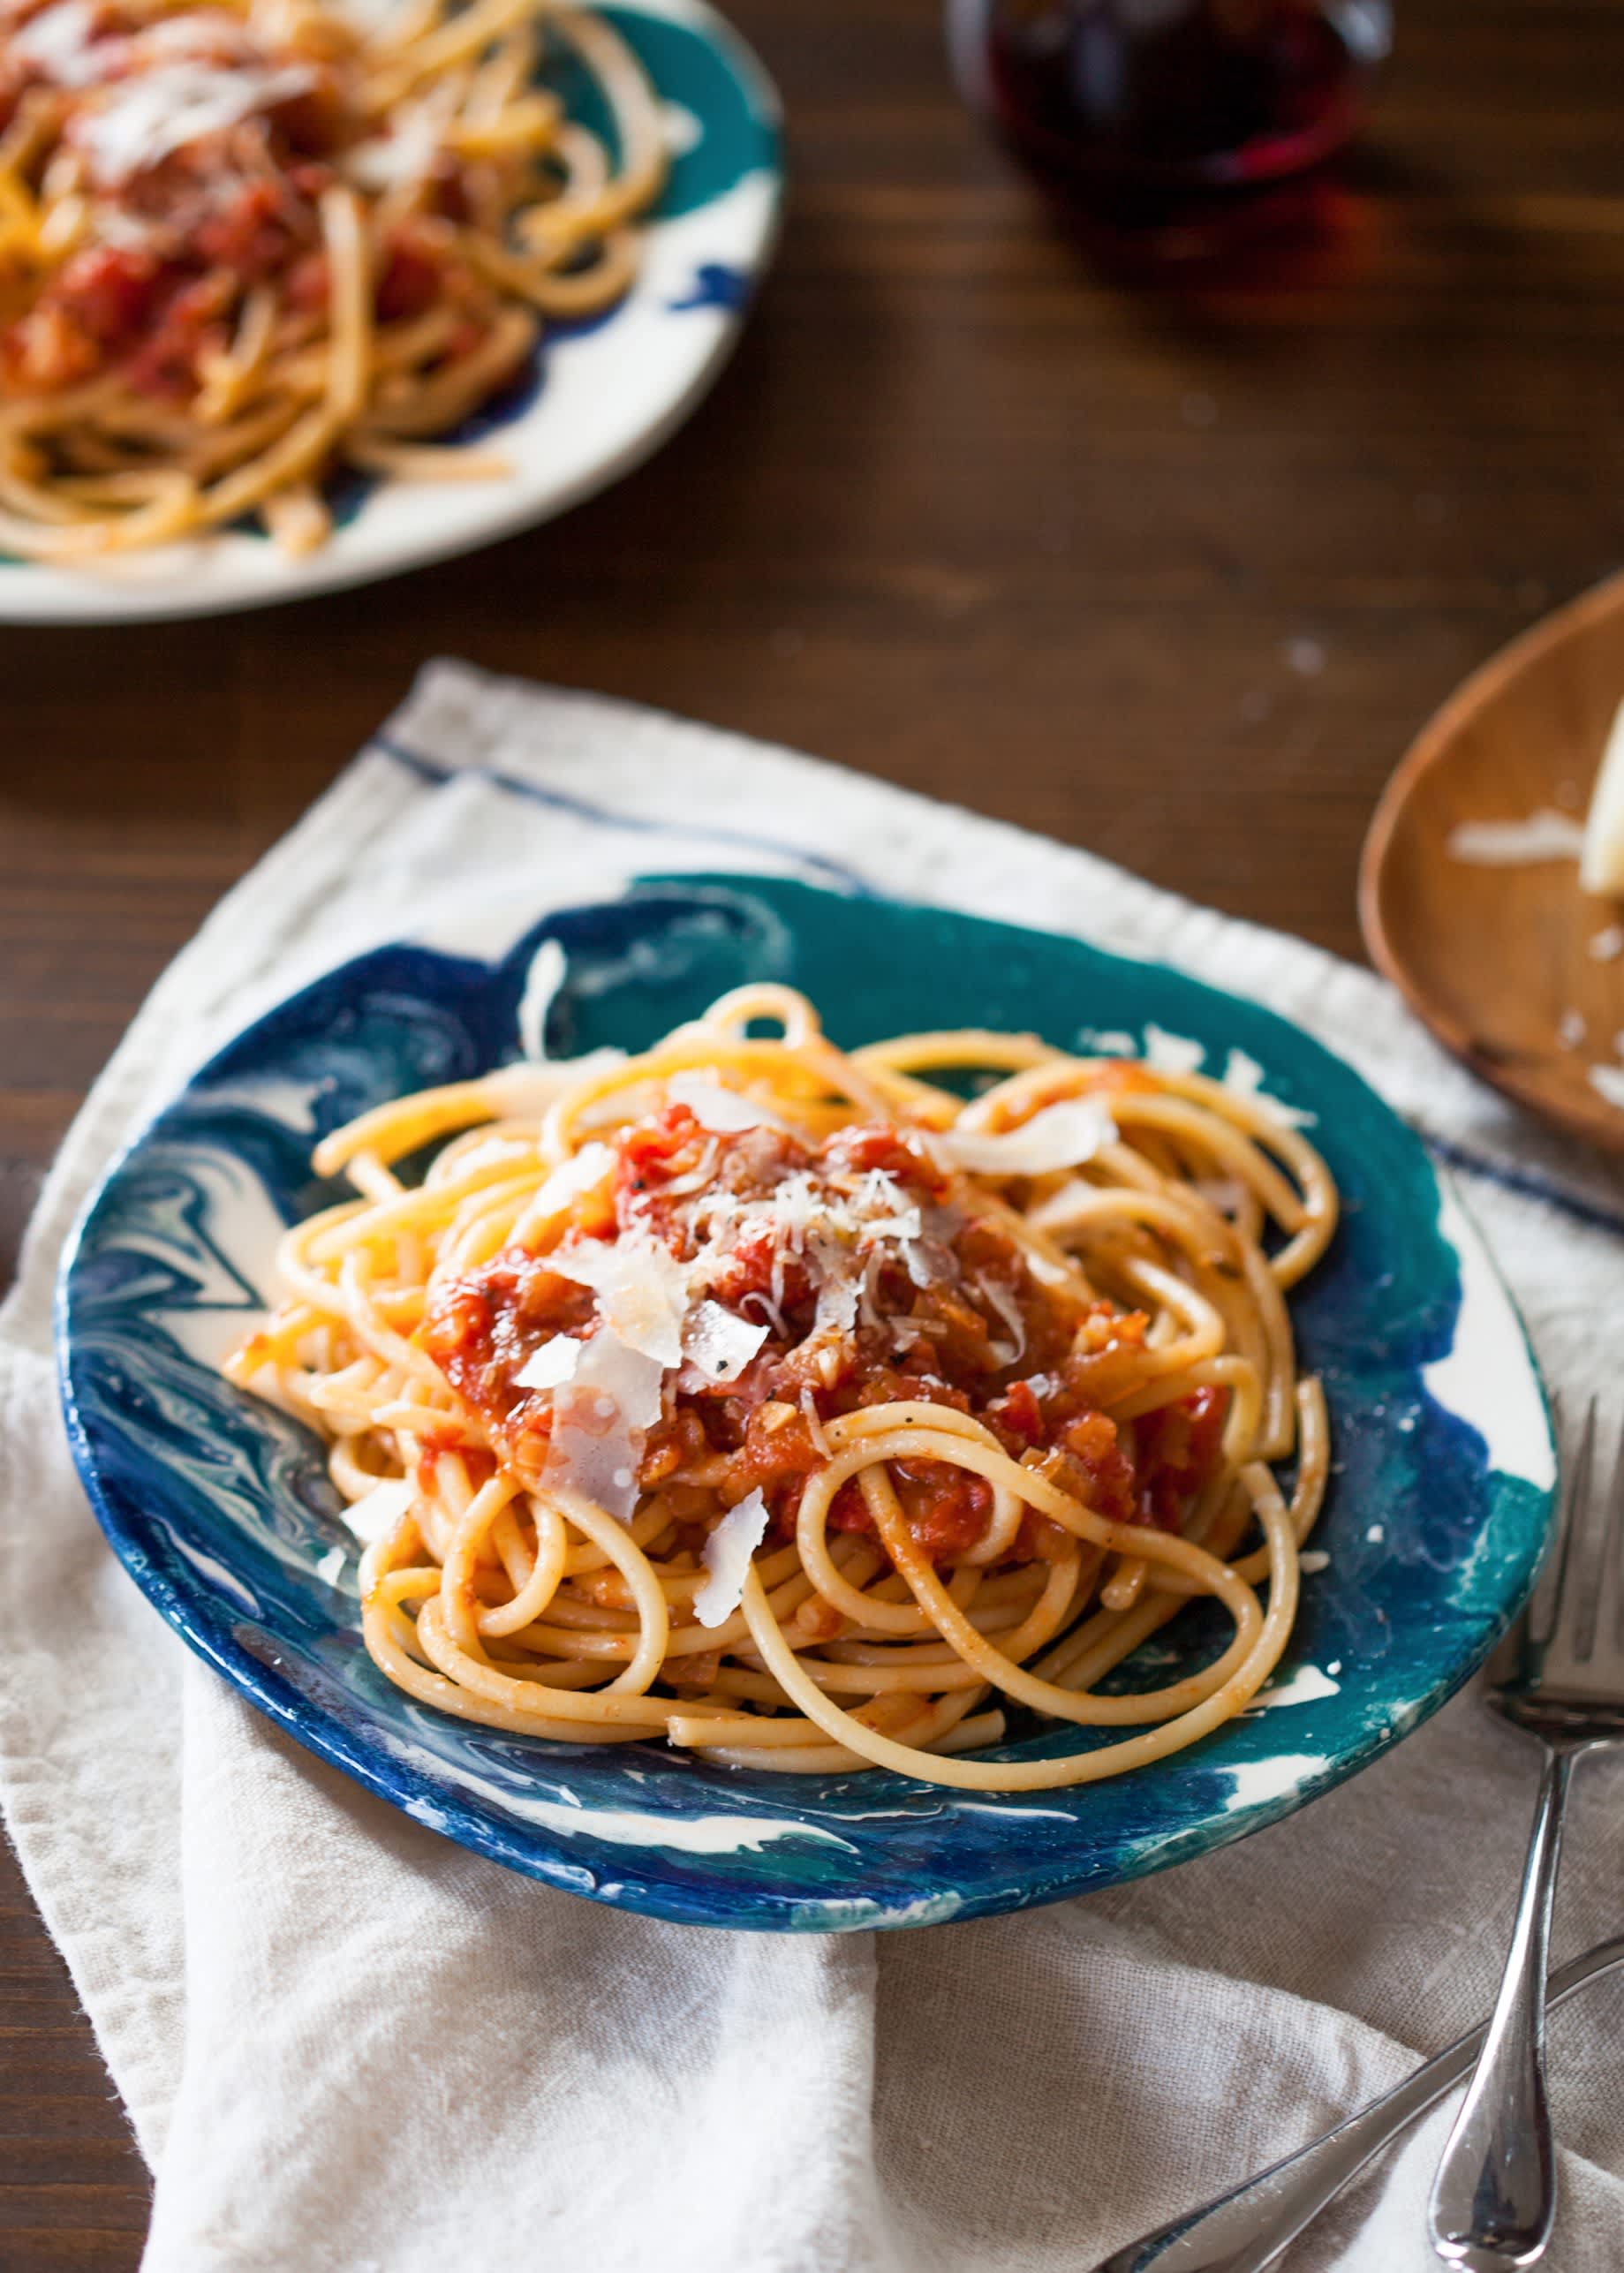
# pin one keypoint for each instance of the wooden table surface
(1172, 576)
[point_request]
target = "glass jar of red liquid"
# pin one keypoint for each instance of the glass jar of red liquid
(1169, 113)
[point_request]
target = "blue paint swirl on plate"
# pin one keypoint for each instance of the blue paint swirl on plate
(220, 1508)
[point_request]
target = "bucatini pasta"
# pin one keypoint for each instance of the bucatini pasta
(779, 1401)
(244, 243)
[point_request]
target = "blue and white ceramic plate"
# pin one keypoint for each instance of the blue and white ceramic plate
(222, 1510)
(599, 398)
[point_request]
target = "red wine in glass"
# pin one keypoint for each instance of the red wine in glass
(1170, 115)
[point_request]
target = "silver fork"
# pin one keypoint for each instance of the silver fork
(1245, 2230)
(1559, 1678)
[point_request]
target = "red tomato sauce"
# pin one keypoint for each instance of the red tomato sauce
(205, 224)
(981, 1335)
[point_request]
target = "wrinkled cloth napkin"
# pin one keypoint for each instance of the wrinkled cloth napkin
(348, 2047)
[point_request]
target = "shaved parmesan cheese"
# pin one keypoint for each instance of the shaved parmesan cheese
(1062, 1135)
(601, 1422)
(1003, 1304)
(837, 1306)
(409, 153)
(552, 1366)
(719, 1342)
(1606, 945)
(830, 1229)
(1047, 1272)
(716, 1107)
(1243, 1077)
(1608, 1082)
(727, 1557)
(1601, 862)
(885, 1211)
(1543, 835)
(928, 1262)
(796, 1210)
(392, 162)
(60, 43)
(814, 1424)
(904, 1227)
(1174, 1054)
(330, 1566)
(379, 1510)
(143, 120)
(642, 1289)
(1242, 1074)
(868, 1291)
(681, 130)
(698, 1179)
(572, 1177)
(779, 1324)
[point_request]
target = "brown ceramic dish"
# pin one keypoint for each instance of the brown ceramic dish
(1498, 961)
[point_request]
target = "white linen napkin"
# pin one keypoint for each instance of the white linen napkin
(348, 2047)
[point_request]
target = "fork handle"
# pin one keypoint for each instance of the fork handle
(1494, 2197)
(1245, 2230)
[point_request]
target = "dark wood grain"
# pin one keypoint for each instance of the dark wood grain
(73, 2193)
(1175, 576)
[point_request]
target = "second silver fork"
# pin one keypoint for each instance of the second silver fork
(1559, 1678)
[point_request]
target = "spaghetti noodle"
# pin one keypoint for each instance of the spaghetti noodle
(777, 1400)
(243, 242)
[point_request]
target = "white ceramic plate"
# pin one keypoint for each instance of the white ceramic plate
(601, 398)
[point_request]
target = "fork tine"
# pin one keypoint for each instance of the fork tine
(1542, 1594)
(1615, 1525)
(1587, 1534)
(1546, 1608)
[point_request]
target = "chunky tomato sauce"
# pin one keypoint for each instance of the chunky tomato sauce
(174, 245)
(876, 1285)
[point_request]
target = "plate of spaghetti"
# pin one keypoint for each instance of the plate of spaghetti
(639, 1396)
(298, 293)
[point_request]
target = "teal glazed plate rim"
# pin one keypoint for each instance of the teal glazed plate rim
(220, 1508)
